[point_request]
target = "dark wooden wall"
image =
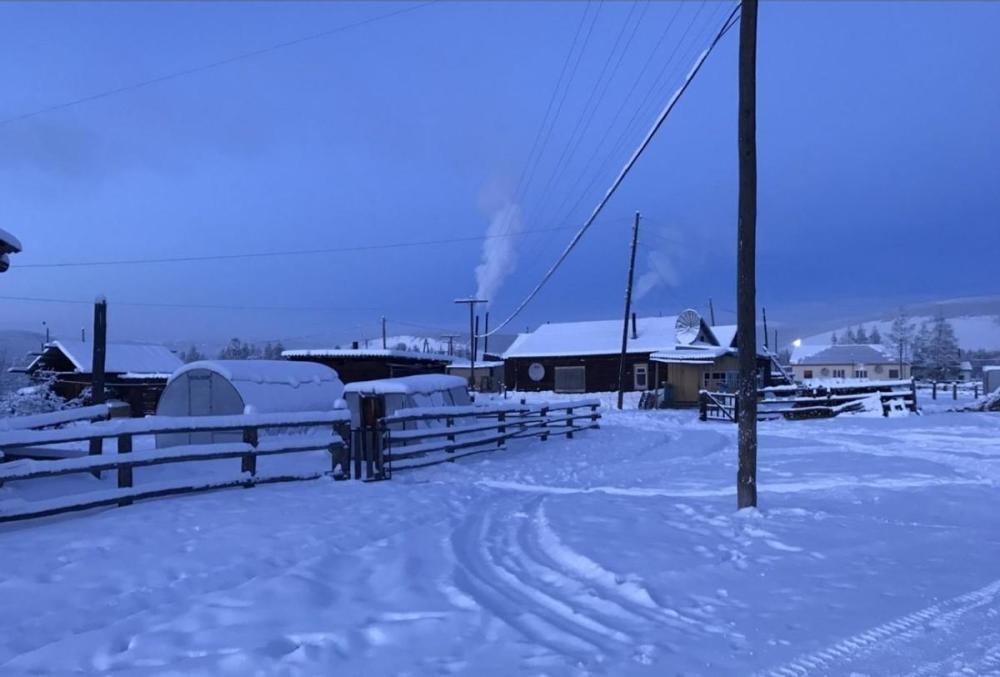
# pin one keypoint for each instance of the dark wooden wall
(601, 375)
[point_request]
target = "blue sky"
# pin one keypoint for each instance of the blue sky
(877, 141)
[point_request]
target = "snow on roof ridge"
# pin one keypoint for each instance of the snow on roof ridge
(264, 371)
(120, 357)
(595, 337)
(364, 352)
(418, 383)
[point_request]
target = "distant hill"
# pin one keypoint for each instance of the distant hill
(15, 346)
(976, 322)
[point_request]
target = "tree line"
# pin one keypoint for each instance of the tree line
(237, 349)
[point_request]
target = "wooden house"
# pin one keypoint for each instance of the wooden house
(677, 355)
(367, 364)
(489, 377)
(135, 373)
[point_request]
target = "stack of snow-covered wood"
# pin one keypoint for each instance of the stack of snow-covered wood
(823, 401)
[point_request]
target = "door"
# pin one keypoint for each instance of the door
(641, 376)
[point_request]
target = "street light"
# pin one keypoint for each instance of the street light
(8, 245)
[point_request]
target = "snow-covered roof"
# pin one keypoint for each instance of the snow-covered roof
(691, 355)
(599, 337)
(725, 334)
(843, 353)
(133, 358)
(992, 368)
(275, 385)
(367, 353)
(407, 385)
(10, 244)
(464, 364)
(965, 365)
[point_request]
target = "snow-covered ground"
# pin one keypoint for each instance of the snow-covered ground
(875, 552)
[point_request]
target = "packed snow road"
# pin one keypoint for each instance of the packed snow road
(617, 553)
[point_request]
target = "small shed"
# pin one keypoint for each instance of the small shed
(991, 379)
(226, 387)
(371, 400)
(366, 364)
(489, 372)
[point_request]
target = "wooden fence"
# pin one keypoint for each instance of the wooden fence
(28, 443)
(441, 434)
(794, 402)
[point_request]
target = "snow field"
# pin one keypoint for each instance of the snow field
(616, 553)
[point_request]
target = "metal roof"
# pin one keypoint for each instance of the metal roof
(843, 354)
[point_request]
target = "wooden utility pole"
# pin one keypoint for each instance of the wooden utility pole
(628, 311)
(486, 335)
(100, 351)
(711, 311)
(746, 254)
(471, 302)
(763, 312)
(97, 363)
(384, 346)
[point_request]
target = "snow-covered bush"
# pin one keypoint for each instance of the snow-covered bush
(39, 398)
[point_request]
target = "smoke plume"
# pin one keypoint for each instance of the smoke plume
(661, 266)
(499, 257)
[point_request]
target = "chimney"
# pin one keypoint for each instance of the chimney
(354, 345)
(635, 331)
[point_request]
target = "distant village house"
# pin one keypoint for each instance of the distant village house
(682, 353)
(135, 373)
(847, 361)
(366, 364)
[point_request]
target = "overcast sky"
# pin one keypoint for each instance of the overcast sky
(878, 156)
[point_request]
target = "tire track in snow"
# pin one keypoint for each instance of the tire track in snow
(902, 629)
(547, 607)
(628, 592)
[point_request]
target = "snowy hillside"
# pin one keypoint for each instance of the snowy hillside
(974, 332)
(617, 553)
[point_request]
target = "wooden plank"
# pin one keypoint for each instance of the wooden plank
(154, 425)
(206, 452)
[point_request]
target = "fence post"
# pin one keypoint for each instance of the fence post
(569, 423)
(702, 406)
(448, 423)
(501, 428)
(954, 391)
(913, 393)
(736, 408)
(593, 414)
(341, 454)
(249, 461)
(545, 423)
(975, 391)
(124, 469)
(95, 448)
(934, 391)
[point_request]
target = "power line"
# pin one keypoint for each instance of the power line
(198, 306)
(213, 64)
(624, 172)
(292, 252)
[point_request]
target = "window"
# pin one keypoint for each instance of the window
(860, 373)
(570, 379)
(808, 373)
(641, 375)
(839, 373)
(894, 373)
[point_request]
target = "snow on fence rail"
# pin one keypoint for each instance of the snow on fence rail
(26, 442)
(795, 402)
(438, 433)
(96, 412)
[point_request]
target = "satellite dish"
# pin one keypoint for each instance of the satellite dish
(536, 372)
(688, 327)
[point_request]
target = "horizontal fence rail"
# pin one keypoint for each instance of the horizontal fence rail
(31, 444)
(436, 435)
